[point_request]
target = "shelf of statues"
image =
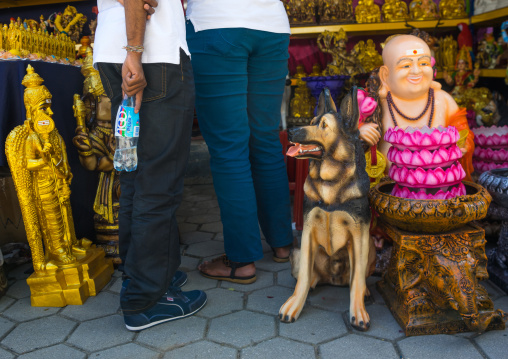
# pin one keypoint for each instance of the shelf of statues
(33, 43)
(9, 4)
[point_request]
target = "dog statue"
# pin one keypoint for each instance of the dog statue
(336, 208)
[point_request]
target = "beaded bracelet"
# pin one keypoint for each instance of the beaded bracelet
(137, 48)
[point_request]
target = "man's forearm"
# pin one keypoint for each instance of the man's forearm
(135, 21)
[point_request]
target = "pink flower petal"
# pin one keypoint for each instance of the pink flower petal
(420, 175)
(440, 174)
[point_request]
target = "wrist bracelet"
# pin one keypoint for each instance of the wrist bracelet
(85, 153)
(137, 48)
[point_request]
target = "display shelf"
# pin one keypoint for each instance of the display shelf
(5, 4)
(491, 18)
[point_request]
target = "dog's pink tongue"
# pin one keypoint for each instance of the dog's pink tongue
(293, 151)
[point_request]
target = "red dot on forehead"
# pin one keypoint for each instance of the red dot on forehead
(414, 52)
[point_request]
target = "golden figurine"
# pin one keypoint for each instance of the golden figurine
(316, 70)
(449, 52)
(67, 270)
(368, 56)
(70, 23)
(302, 104)
(301, 12)
(463, 77)
(335, 11)
(452, 9)
(423, 10)
(96, 147)
(367, 12)
(394, 10)
(342, 63)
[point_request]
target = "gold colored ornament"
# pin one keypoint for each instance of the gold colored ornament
(70, 23)
(301, 12)
(67, 270)
(377, 171)
(452, 9)
(335, 11)
(423, 10)
(368, 55)
(342, 63)
(367, 12)
(394, 10)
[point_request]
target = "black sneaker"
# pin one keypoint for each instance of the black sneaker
(173, 305)
(179, 280)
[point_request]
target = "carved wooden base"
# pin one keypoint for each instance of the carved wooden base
(429, 274)
(72, 284)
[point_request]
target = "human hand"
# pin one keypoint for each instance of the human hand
(133, 78)
(149, 7)
(369, 133)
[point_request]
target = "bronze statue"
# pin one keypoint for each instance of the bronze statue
(342, 63)
(367, 12)
(335, 11)
(394, 10)
(301, 12)
(70, 23)
(96, 147)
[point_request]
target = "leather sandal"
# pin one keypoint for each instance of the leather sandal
(232, 277)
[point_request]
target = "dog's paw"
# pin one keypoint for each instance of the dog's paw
(359, 319)
(290, 311)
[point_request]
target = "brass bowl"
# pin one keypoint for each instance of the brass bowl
(429, 216)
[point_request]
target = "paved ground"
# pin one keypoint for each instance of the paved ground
(239, 321)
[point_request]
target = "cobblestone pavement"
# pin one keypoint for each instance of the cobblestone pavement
(239, 321)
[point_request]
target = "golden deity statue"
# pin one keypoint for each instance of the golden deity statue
(96, 147)
(335, 11)
(370, 58)
(367, 12)
(342, 63)
(452, 9)
(70, 23)
(302, 104)
(394, 10)
(67, 270)
(423, 10)
(463, 77)
(301, 12)
(449, 51)
(316, 70)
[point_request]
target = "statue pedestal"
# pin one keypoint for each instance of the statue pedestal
(428, 271)
(72, 284)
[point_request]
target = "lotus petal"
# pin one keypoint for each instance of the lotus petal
(440, 174)
(410, 179)
(431, 179)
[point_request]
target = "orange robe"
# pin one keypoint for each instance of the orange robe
(459, 121)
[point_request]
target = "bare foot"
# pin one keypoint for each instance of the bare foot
(217, 268)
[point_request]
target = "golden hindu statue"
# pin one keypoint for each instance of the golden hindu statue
(335, 11)
(368, 56)
(342, 63)
(449, 52)
(452, 9)
(67, 270)
(463, 77)
(423, 10)
(301, 12)
(96, 147)
(367, 12)
(303, 103)
(70, 23)
(316, 70)
(394, 10)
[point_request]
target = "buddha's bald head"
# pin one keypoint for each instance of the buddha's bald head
(398, 45)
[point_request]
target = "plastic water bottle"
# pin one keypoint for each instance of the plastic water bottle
(126, 135)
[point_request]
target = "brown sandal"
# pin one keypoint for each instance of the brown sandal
(234, 266)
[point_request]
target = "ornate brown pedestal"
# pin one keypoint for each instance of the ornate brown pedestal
(431, 285)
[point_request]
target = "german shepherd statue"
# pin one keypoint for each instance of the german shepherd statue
(336, 208)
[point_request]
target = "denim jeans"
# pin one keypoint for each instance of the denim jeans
(149, 242)
(239, 76)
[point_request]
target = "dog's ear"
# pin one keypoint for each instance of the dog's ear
(349, 110)
(325, 103)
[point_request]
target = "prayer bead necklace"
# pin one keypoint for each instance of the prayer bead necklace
(430, 103)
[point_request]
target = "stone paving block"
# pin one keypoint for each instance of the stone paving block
(493, 290)
(4, 354)
(372, 280)
(127, 351)
(202, 350)
(215, 210)
(279, 348)
(116, 285)
(242, 328)
(5, 302)
(187, 227)
(5, 326)
(501, 303)
(59, 351)
(95, 307)
(38, 333)
(356, 346)
(375, 295)
(180, 219)
(268, 300)
(494, 343)
(382, 323)
(329, 326)
(188, 264)
(19, 290)
(221, 301)
(201, 197)
(117, 273)
(22, 310)
(19, 272)
(188, 210)
(219, 237)
(205, 249)
(212, 203)
(438, 346)
(203, 218)
(284, 278)
(264, 279)
(101, 333)
(197, 281)
(330, 298)
(172, 334)
(215, 227)
(195, 237)
(267, 263)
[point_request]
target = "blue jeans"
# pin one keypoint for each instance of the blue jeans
(239, 77)
(148, 234)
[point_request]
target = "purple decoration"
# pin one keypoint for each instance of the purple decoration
(316, 84)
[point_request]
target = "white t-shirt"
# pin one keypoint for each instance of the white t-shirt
(164, 34)
(264, 15)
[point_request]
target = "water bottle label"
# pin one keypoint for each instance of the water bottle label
(127, 122)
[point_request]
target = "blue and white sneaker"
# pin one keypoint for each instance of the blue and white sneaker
(179, 280)
(173, 305)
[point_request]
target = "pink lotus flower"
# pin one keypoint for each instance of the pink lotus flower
(442, 157)
(481, 166)
(490, 155)
(419, 138)
(493, 137)
(421, 194)
(366, 104)
(429, 178)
